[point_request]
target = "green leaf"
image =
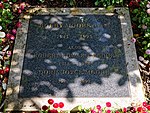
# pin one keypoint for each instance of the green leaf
(144, 20)
(135, 11)
(71, 3)
(139, 26)
(113, 1)
(134, 18)
(80, 108)
(148, 45)
(144, 42)
(0, 40)
(145, 55)
(6, 5)
(12, 17)
(110, 8)
(14, 0)
(117, 1)
(97, 3)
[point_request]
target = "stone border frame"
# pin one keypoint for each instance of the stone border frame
(13, 103)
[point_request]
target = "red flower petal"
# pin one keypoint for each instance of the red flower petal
(7, 69)
(44, 107)
(144, 104)
(2, 72)
(61, 104)
(22, 7)
(124, 110)
(93, 111)
(117, 112)
(98, 107)
(18, 24)
(139, 109)
(108, 104)
(14, 31)
(52, 111)
(108, 111)
(50, 101)
(148, 107)
(55, 105)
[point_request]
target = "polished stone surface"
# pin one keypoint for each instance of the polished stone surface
(74, 56)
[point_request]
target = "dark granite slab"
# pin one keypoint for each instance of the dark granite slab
(74, 56)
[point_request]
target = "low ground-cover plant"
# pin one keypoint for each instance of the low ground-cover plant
(9, 13)
(6, 15)
(140, 15)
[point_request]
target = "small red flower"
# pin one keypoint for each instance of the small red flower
(117, 112)
(7, 69)
(8, 35)
(19, 11)
(144, 104)
(12, 37)
(148, 107)
(18, 24)
(52, 111)
(124, 110)
(14, 31)
(108, 111)
(93, 111)
(108, 104)
(55, 105)
(44, 107)
(22, 7)
(98, 107)
(1, 6)
(2, 72)
(50, 101)
(131, 4)
(61, 104)
(143, 109)
(139, 109)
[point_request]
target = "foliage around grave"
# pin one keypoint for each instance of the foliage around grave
(140, 15)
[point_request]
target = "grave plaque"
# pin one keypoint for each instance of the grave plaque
(79, 58)
(74, 56)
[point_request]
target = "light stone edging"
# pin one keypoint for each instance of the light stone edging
(14, 103)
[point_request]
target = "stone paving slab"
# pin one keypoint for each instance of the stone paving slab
(34, 103)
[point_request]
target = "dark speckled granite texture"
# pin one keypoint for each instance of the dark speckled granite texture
(81, 57)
